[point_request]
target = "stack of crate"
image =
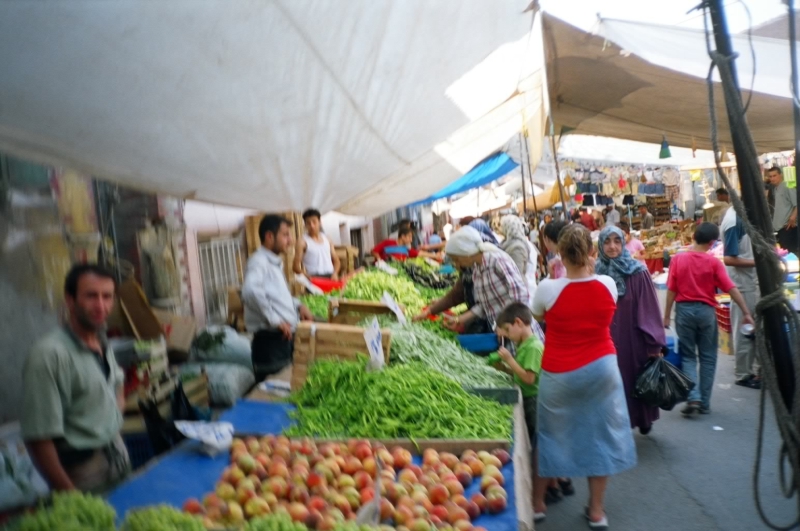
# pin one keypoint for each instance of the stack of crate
(659, 206)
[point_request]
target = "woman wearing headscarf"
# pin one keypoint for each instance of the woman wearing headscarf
(487, 235)
(520, 249)
(497, 281)
(637, 328)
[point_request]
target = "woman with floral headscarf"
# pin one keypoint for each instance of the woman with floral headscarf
(637, 328)
(520, 249)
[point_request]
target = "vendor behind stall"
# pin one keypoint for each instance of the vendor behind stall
(315, 254)
(73, 392)
(390, 248)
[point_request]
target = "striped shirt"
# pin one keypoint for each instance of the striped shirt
(497, 283)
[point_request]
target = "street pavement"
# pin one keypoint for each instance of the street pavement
(692, 475)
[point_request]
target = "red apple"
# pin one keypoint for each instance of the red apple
(405, 501)
(352, 465)
(403, 516)
(353, 497)
(362, 451)
(462, 525)
(460, 500)
(439, 511)
(479, 500)
(370, 467)
(276, 485)
(212, 500)
(476, 466)
(496, 491)
(313, 520)
(497, 504)
(465, 478)
(299, 493)
(438, 494)
(502, 455)
(367, 495)
(344, 481)
(494, 472)
(386, 457)
(401, 456)
(387, 509)
(419, 524)
(407, 477)
(430, 456)
(362, 480)
(450, 460)
(454, 486)
(317, 503)
(278, 469)
(486, 482)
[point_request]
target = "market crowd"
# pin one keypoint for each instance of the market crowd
(570, 298)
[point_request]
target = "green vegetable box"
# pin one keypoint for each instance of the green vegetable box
(353, 312)
(317, 341)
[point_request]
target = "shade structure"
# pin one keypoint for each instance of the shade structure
(488, 171)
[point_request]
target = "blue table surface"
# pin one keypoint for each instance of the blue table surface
(184, 473)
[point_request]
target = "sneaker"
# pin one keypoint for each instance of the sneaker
(703, 410)
(691, 409)
(602, 524)
(755, 383)
(745, 382)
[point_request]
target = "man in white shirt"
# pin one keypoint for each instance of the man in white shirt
(270, 311)
(612, 216)
(315, 255)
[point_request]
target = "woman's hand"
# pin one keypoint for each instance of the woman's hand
(422, 316)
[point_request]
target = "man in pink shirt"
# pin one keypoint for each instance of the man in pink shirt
(694, 277)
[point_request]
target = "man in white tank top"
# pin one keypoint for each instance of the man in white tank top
(315, 255)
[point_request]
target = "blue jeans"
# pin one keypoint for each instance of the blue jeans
(696, 326)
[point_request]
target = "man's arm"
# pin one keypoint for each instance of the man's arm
(45, 458)
(736, 295)
(668, 309)
(337, 264)
(299, 251)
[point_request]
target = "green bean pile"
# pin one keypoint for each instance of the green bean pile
(341, 399)
(316, 304)
(70, 511)
(370, 285)
(413, 342)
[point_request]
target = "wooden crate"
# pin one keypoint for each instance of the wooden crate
(314, 341)
(251, 224)
(347, 256)
(352, 312)
(196, 391)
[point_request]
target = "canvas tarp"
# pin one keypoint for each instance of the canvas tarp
(358, 106)
(597, 88)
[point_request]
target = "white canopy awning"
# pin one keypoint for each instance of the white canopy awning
(359, 106)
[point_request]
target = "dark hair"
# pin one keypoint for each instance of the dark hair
(311, 213)
(641, 205)
(775, 168)
(721, 191)
(271, 223)
(706, 233)
(553, 229)
(404, 232)
(514, 311)
(463, 222)
(624, 225)
(79, 270)
(575, 244)
(403, 224)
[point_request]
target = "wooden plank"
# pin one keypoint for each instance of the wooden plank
(136, 308)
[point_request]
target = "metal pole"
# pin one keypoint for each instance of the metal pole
(755, 205)
(796, 105)
(558, 169)
(522, 175)
(530, 174)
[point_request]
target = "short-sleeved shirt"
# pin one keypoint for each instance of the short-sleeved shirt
(380, 249)
(633, 247)
(648, 222)
(737, 244)
(70, 393)
(529, 357)
(695, 277)
(578, 313)
(785, 202)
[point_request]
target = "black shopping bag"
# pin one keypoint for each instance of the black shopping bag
(662, 385)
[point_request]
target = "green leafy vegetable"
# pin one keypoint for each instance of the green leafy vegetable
(71, 511)
(342, 399)
(370, 285)
(316, 304)
(161, 518)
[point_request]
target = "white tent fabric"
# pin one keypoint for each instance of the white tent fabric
(359, 106)
(684, 50)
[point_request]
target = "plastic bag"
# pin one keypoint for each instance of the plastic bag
(234, 348)
(227, 382)
(662, 385)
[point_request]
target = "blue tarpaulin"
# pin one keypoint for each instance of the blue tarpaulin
(490, 169)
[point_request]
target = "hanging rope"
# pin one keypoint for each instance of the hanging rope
(788, 424)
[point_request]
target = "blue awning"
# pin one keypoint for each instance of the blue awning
(490, 169)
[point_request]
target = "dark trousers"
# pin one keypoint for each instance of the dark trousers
(271, 352)
(787, 238)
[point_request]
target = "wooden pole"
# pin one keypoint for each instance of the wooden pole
(558, 169)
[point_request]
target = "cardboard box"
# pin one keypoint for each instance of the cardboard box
(181, 330)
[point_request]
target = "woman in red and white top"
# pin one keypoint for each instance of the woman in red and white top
(584, 428)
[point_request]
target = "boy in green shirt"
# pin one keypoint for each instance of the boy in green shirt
(514, 323)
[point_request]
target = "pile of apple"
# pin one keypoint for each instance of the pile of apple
(323, 486)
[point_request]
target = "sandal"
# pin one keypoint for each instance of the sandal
(567, 489)
(553, 495)
(538, 518)
(601, 524)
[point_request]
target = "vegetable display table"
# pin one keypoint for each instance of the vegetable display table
(184, 473)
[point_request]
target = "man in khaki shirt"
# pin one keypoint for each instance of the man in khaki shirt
(73, 392)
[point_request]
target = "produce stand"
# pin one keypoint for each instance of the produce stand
(166, 480)
(324, 340)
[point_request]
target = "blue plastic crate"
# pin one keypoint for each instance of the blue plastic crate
(672, 355)
(479, 343)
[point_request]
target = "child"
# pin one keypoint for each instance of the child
(514, 323)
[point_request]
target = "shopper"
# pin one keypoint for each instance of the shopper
(694, 277)
(612, 216)
(648, 221)
(520, 249)
(315, 255)
(784, 217)
(387, 248)
(634, 246)
(587, 220)
(584, 428)
(741, 266)
(514, 323)
(271, 313)
(497, 281)
(637, 329)
(555, 268)
(73, 396)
